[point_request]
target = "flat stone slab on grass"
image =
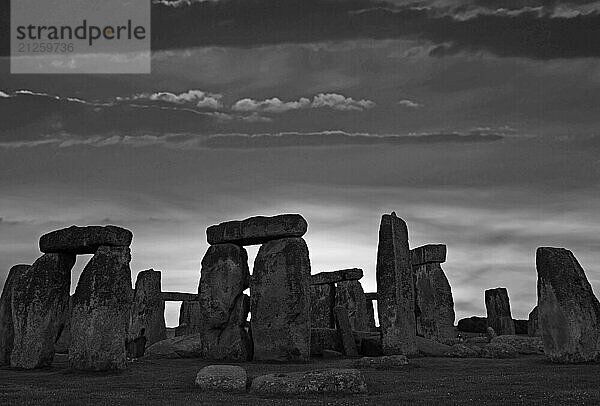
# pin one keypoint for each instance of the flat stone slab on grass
(430, 253)
(222, 378)
(257, 230)
(324, 381)
(499, 350)
(523, 344)
(464, 351)
(322, 278)
(84, 240)
(385, 362)
(430, 348)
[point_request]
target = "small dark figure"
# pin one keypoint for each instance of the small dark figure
(137, 346)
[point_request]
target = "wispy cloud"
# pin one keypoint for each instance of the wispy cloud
(410, 104)
(330, 100)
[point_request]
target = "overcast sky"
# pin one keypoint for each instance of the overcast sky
(476, 121)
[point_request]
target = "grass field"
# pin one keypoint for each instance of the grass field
(527, 380)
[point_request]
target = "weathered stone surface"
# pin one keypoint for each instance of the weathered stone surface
(430, 348)
(520, 326)
(329, 354)
(499, 350)
(84, 240)
(325, 381)
(257, 230)
(371, 296)
(428, 254)
(148, 309)
(498, 311)
(189, 318)
(568, 311)
(62, 344)
(385, 362)
(7, 332)
(222, 303)
(477, 341)
(395, 287)
(222, 378)
(434, 305)
(490, 333)
(321, 278)
(101, 312)
(464, 351)
(39, 303)
(370, 315)
(369, 346)
(280, 301)
(322, 301)
(344, 329)
(533, 326)
(350, 295)
(523, 344)
(179, 297)
(188, 346)
(322, 339)
(473, 324)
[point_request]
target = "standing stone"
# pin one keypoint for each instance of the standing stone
(434, 302)
(62, 344)
(568, 311)
(148, 310)
(84, 240)
(395, 288)
(7, 332)
(344, 329)
(370, 315)
(223, 305)
(101, 312)
(533, 325)
(257, 230)
(498, 311)
(40, 301)
(322, 301)
(280, 297)
(350, 295)
(189, 318)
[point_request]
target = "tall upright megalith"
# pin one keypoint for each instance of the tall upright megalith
(568, 311)
(148, 308)
(40, 301)
(533, 325)
(434, 305)
(499, 316)
(101, 311)
(395, 287)
(7, 331)
(280, 301)
(322, 302)
(350, 294)
(223, 305)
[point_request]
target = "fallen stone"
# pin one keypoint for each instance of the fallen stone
(478, 341)
(148, 309)
(101, 312)
(464, 351)
(280, 301)
(533, 326)
(434, 305)
(499, 350)
(523, 344)
(223, 306)
(7, 332)
(322, 301)
(385, 362)
(345, 331)
(350, 295)
(427, 254)
(342, 275)
(395, 288)
(325, 381)
(430, 348)
(329, 354)
(324, 339)
(189, 346)
(473, 324)
(84, 240)
(39, 303)
(568, 311)
(498, 311)
(222, 378)
(257, 230)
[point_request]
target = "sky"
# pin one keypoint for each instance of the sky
(476, 121)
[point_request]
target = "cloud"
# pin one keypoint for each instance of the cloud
(196, 98)
(410, 104)
(275, 105)
(4, 95)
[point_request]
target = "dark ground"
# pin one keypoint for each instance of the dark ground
(527, 380)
